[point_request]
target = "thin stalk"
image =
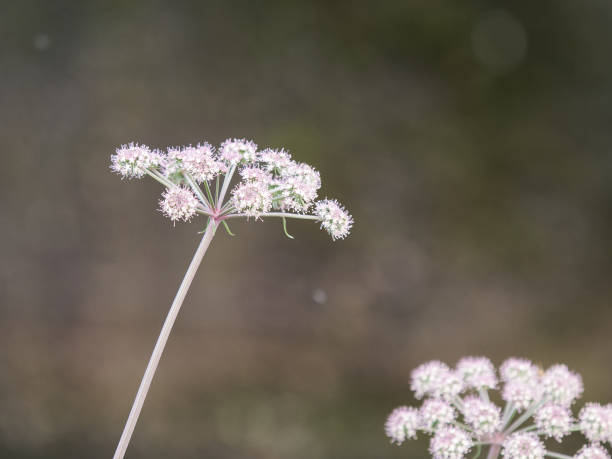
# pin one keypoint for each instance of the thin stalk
(198, 191)
(279, 214)
(526, 415)
(508, 415)
(163, 181)
(161, 341)
(160, 178)
(209, 194)
(493, 451)
(217, 191)
(527, 429)
(226, 183)
(558, 455)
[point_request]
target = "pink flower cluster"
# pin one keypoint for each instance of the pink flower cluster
(459, 413)
(272, 183)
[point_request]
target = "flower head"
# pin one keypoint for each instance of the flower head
(523, 446)
(402, 424)
(276, 162)
(554, 421)
(238, 151)
(271, 184)
(545, 398)
(561, 386)
(449, 386)
(482, 415)
(592, 452)
(252, 198)
(133, 160)
(197, 161)
(435, 414)
(427, 377)
(334, 218)
(595, 422)
(450, 443)
(178, 203)
(477, 372)
(520, 394)
(515, 369)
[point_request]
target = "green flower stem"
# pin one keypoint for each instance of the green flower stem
(160, 179)
(162, 339)
(198, 191)
(526, 415)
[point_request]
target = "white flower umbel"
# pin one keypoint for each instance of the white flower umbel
(595, 422)
(592, 452)
(197, 180)
(523, 446)
(458, 401)
(450, 443)
(402, 424)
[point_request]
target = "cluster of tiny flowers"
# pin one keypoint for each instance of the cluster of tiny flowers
(271, 181)
(594, 451)
(523, 445)
(459, 414)
(199, 162)
(178, 203)
(238, 151)
(596, 422)
(334, 218)
(402, 424)
(133, 160)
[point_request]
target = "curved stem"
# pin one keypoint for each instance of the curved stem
(161, 341)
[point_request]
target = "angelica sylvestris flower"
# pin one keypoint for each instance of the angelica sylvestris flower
(198, 180)
(178, 203)
(238, 151)
(592, 452)
(523, 446)
(334, 218)
(483, 416)
(402, 424)
(197, 161)
(427, 377)
(596, 422)
(520, 394)
(561, 386)
(521, 370)
(458, 409)
(477, 372)
(450, 443)
(554, 421)
(133, 160)
(435, 414)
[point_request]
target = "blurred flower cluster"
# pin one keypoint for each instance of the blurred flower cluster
(459, 413)
(197, 180)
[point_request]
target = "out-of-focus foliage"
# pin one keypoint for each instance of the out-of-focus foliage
(470, 140)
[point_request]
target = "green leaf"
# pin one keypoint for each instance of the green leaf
(227, 228)
(285, 229)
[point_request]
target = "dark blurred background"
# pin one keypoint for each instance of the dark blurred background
(470, 140)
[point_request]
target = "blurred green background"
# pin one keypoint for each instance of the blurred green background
(470, 140)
